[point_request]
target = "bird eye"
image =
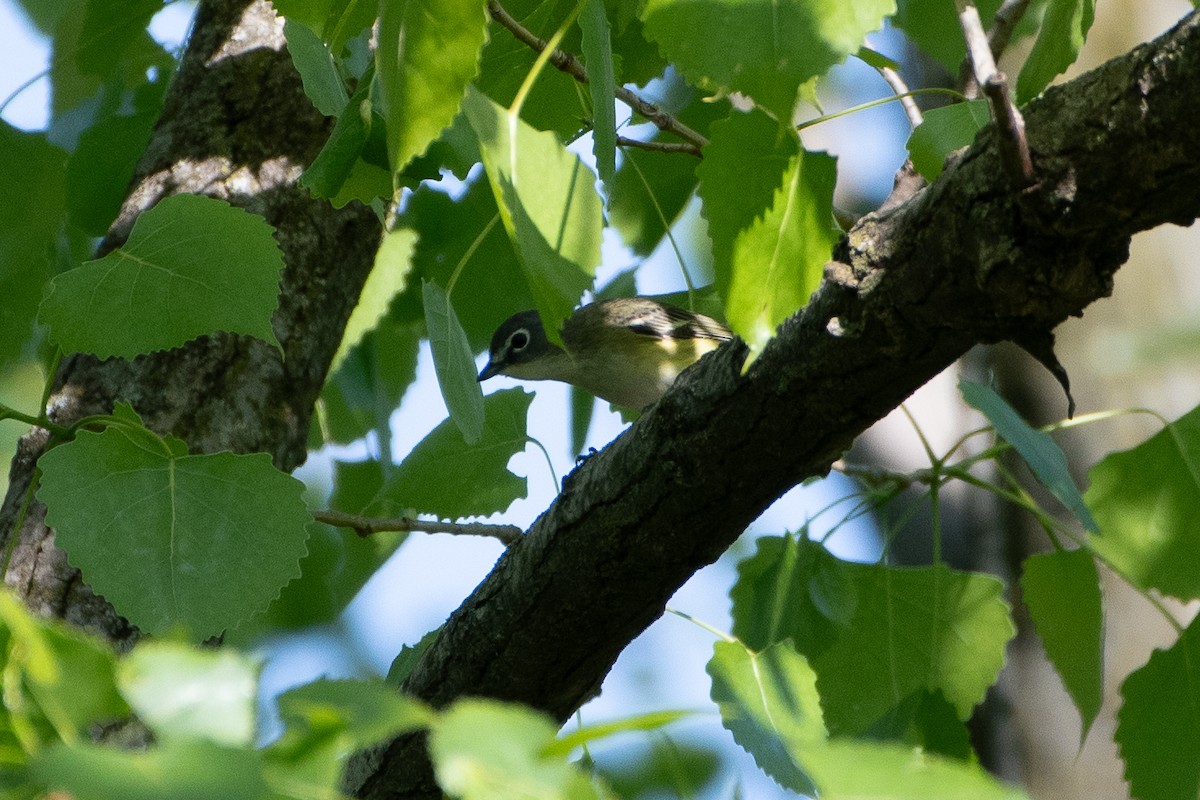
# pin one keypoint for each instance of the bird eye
(518, 341)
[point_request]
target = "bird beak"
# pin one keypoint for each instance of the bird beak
(489, 371)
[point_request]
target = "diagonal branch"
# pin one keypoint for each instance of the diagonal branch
(568, 63)
(964, 261)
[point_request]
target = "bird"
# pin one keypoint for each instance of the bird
(626, 350)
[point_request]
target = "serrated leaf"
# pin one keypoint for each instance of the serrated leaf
(913, 628)
(769, 702)
(602, 84)
(182, 692)
(943, 131)
(773, 595)
(179, 769)
(548, 205)
(192, 266)
(1146, 502)
(174, 540)
(317, 67)
(1158, 725)
(771, 240)
(763, 49)
(1045, 458)
(427, 54)
(482, 484)
(480, 745)
(348, 166)
(1062, 592)
(454, 362)
(1064, 29)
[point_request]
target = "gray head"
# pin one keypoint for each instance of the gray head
(519, 340)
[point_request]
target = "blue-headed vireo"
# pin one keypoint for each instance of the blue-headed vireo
(627, 351)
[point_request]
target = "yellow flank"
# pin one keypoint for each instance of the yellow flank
(627, 351)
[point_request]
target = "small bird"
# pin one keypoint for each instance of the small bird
(627, 351)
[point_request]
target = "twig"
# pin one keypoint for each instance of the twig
(1003, 24)
(568, 63)
(661, 147)
(911, 109)
(365, 526)
(1010, 125)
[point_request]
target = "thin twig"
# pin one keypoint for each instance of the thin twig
(911, 109)
(1010, 125)
(568, 63)
(1003, 24)
(660, 147)
(365, 526)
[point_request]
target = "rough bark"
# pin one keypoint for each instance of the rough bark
(236, 125)
(965, 261)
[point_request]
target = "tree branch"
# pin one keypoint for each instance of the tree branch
(568, 63)
(365, 526)
(964, 261)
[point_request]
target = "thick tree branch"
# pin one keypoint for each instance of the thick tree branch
(964, 261)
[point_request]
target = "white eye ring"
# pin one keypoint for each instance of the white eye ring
(518, 341)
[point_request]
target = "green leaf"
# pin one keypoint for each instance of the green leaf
(547, 203)
(943, 131)
(335, 21)
(171, 539)
(192, 266)
(650, 721)
(1147, 504)
(408, 657)
(1062, 592)
(485, 749)
(1158, 725)
(482, 484)
(1045, 458)
(388, 278)
(369, 384)
(773, 598)
(1065, 26)
(427, 55)
(934, 27)
(491, 286)
(101, 167)
(913, 628)
(361, 712)
(853, 770)
(349, 166)
(185, 693)
(317, 67)
(106, 42)
(555, 102)
(177, 769)
(57, 680)
(648, 194)
(769, 702)
(602, 84)
(769, 207)
(763, 49)
(454, 362)
(33, 197)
